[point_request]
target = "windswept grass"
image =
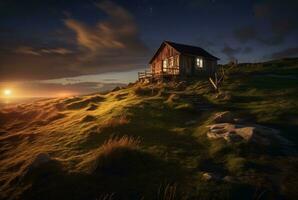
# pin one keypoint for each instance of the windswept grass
(149, 141)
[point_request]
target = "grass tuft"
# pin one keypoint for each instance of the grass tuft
(115, 154)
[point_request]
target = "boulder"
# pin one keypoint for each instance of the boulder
(235, 132)
(208, 176)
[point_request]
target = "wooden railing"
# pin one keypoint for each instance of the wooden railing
(171, 71)
(147, 74)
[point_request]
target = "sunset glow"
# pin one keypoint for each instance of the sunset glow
(7, 92)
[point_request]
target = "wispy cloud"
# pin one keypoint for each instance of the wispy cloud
(111, 44)
(285, 53)
(280, 17)
(117, 35)
(38, 52)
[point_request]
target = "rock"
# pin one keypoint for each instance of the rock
(235, 132)
(208, 176)
(39, 160)
(224, 117)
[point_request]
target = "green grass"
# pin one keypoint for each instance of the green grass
(170, 149)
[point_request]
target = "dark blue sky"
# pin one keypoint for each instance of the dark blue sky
(52, 39)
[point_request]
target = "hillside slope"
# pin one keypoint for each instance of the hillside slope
(154, 141)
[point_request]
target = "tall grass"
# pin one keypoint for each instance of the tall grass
(120, 142)
(115, 151)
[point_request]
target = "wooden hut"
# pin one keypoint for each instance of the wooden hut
(173, 60)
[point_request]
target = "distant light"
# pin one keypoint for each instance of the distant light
(7, 92)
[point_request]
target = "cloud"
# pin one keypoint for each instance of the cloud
(262, 9)
(114, 41)
(279, 31)
(111, 44)
(45, 89)
(280, 17)
(230, 51)
(61, 51)
(38, 52)
(245, 33)
(247, 50)
(27, 50)
(285, 53)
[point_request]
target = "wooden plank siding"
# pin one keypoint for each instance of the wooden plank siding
(186, 63)
(166, 52)
(181, 60)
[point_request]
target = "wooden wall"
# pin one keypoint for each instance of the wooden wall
(165, 52)
(188, 66)
(186, 63)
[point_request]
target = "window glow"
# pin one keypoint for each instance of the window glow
(165, 65)
(199, 62)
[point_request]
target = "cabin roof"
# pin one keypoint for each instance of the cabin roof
(185, 49)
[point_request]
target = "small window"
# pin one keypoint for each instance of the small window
(177, 60)
(165, 65)
(199, 62)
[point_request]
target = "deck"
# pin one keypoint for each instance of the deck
(148, 75)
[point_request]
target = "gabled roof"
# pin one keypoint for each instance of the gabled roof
(185, 49)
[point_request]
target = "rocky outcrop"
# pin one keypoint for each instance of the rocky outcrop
(235, 132)
(229, 128)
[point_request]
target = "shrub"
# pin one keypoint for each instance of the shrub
(120, 142)
(119, 155)
(116, 121)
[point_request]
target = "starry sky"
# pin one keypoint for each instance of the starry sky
(85, 45)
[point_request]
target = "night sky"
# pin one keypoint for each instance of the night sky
(57, 44)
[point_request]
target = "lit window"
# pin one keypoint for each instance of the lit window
(177, 60)
(171, 62)
(165, 65)
(200, 62)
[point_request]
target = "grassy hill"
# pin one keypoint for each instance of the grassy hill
(150, 141)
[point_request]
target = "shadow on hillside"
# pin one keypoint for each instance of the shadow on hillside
(130, 174)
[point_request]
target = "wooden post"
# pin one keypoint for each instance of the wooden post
(216, 81)
(214, 85)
